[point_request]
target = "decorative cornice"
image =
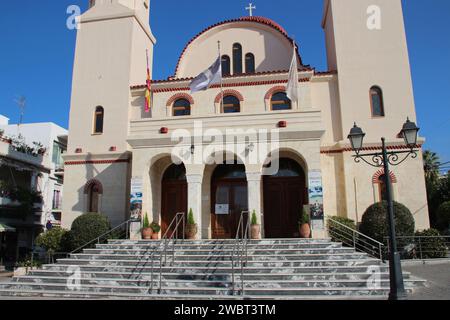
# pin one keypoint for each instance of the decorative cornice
(93, 182)
(225, 85)
(273, 90)
(379, 173)
(177, 96)
(84, 162)
(229, 92)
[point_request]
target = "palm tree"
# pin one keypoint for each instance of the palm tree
(431, 164)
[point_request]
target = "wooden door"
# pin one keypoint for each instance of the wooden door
(174, 200)
(234, 194)
(284, 198)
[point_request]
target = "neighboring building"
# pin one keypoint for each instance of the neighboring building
(114, 142)
(30, 163)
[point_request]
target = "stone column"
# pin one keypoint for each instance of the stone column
(254, 183)
(195, 199)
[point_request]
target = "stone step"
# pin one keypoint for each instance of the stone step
(214, 269)
(216, 276)
(179, 256)
(151, 247)
(225, 290)
(223, 241)
(45, 294)
(202, 251)
(217, 264)
(219, 283)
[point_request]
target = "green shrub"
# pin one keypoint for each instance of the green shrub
(374, 222)
(339, 233)
(443, 216)
(85, 228)
(156, 228)
(146, 222)
(431, 248)
(51, 240)
(191, 220)
(304, 218)
(254, 220)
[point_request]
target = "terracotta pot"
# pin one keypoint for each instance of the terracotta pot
(255, 231)
(147, 233)
(191, 231)
(155, 236)
(305, 231)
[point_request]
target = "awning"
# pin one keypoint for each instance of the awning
(5, 228)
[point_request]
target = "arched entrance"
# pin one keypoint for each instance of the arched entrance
(284, 197)
(173, 194)
(229, 198)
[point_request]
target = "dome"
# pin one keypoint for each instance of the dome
(275, 37)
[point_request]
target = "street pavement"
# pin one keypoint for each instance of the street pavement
(437, 274)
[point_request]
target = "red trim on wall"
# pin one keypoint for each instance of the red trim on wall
(76, 163)
(274, 90)
(225, 85)
(379, 173)
(177, 96)
(93, 182)
(229, 92)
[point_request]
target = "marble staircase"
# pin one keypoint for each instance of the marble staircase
(276, 269)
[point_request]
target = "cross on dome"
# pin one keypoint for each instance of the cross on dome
(250, 9)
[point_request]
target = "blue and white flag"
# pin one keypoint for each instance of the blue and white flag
(207, 78)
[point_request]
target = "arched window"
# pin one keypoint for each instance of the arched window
(226, 65)
(280, 101)
(237, 58)
(382, 188)
(231, 104)
(376, 101)
(249, 63)
(93, 191)
(181, 107)
(98, 120)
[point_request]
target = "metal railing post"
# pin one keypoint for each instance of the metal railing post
(420, 249)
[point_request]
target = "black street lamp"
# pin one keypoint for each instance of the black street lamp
(383, 159)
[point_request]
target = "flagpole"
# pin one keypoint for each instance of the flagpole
(221, 78)
(295, 57)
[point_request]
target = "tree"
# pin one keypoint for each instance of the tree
(431, 163)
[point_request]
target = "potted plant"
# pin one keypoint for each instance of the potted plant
(304, 227)
(147, 232)
(255, 227)
(156, 228)
(191, 226)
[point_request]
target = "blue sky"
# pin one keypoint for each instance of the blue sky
(36, 56)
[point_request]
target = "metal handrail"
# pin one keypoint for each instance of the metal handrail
(240, 251)
(98, 239)
(165, 240)
(358, 240)
(422, 247)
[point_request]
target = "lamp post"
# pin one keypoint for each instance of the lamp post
(383, 159)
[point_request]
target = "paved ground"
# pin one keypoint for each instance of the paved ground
(437, 275)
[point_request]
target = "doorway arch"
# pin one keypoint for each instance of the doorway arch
(229, 197)
(173, 194)
(284, 198)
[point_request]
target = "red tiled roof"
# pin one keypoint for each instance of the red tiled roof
(261, 20)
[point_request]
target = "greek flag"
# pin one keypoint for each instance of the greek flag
(207, 78)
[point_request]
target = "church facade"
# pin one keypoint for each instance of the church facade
(242, 144)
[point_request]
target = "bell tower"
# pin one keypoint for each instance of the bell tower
(110, 56)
